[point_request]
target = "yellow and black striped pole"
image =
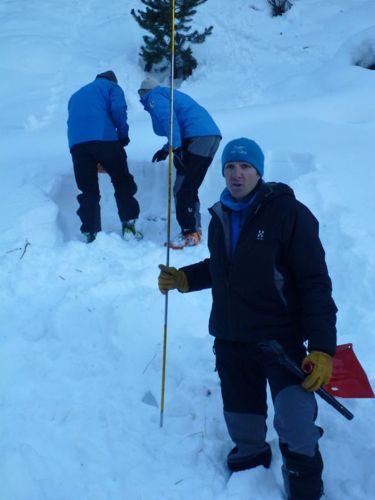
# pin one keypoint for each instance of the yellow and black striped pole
(170, 165)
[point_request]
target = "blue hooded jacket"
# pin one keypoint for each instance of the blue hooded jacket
(97, 112)
(189, 118)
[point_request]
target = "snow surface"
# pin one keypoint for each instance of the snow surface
(82, 325)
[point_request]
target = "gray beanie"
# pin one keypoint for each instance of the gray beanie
(148, 84)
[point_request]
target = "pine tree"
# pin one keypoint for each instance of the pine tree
(279, 7)
(156, 49)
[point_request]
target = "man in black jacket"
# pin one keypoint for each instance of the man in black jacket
(269, 281)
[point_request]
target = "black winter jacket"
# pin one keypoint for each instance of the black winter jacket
(276, 284)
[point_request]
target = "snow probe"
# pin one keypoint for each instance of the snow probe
(272, 346)
(170, 161)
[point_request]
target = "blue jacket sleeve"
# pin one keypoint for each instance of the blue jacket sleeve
(118, 110)
(158, 107)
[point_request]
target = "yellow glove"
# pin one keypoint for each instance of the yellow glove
(319, 365)
(171, 278)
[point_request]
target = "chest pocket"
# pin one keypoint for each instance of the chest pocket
(255, 257)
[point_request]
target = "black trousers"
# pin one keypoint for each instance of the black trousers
(191, 168)
(112, 157)
(244, 370)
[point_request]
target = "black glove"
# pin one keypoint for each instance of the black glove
(124, 141)
(160, 155)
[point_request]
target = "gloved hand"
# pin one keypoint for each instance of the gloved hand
(124, 141)
(321, 363)
(160, 155)
(171, 278)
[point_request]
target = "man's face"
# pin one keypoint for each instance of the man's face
(241, 178)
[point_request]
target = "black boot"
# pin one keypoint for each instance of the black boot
(129, 231)
(90, 237)
(302, 475)
(243, 463)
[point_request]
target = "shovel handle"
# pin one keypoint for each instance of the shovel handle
(308, 368)
(333, 402)
(276, 348)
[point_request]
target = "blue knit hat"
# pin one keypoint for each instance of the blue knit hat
(244, 150)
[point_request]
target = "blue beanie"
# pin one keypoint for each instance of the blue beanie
(244, 150)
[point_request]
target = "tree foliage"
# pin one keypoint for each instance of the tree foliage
(157, 19)
(279, 7)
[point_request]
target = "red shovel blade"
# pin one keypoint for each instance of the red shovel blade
(349, 379)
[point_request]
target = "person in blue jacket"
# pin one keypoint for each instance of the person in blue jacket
(196, 138)
(97, 134)
(269, 282)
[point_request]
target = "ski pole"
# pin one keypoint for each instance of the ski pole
(274, 347)
(170, 162)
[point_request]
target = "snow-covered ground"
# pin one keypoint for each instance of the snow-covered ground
(82, 325)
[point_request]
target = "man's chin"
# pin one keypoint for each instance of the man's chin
(236, 193)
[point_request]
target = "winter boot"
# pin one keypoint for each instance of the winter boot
(90, 237)
(185, 240)
(237, 464)
(129, 231)
(302, 475)
(193, 239)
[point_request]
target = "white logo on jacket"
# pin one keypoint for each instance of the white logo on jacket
(260, 235)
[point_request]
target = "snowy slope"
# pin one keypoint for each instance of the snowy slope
(82, 325)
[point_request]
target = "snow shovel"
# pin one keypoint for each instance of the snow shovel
(349, 379)
(275, 348)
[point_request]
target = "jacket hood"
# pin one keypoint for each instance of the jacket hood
(271, 190)
(108, 75)
(266, 192)
(145, 98)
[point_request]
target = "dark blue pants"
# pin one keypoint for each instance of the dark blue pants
(113, 158)
(244, 370)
